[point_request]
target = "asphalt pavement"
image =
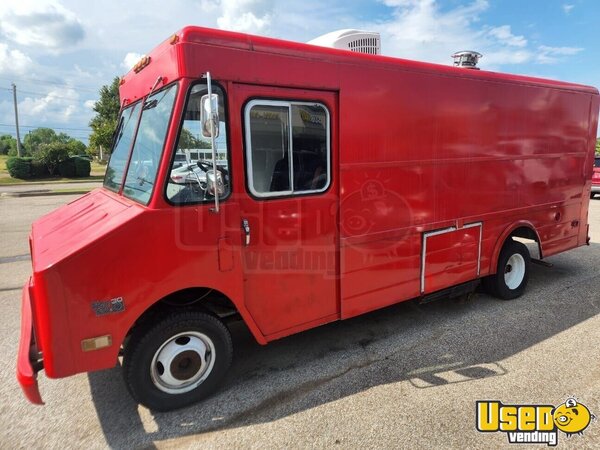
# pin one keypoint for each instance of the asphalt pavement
(407, 376)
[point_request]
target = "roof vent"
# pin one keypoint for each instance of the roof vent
(354, 40)
(467, 59)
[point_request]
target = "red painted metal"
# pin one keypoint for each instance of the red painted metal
(416, 148)
(596, 176)
(26, 375)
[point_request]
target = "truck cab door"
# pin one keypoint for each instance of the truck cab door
(288, 206)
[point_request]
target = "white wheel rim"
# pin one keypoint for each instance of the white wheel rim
(514, 271)
(183, 362)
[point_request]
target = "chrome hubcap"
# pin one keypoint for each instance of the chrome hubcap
(183, 362)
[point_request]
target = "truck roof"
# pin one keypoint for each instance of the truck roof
(241, 41)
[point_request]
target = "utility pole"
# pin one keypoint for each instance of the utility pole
(14, 86)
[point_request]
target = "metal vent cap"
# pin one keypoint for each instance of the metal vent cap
(467, 59)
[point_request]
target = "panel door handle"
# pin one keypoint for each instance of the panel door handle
(246, 229)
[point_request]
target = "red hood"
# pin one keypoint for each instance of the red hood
(74, 226)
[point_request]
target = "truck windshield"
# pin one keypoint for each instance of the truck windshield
(147, 146)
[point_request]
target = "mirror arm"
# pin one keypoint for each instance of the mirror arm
(212, 140)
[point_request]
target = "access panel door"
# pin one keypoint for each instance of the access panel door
(450, 256)
(288, 207)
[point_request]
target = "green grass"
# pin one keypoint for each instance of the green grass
(3, 169)
(98, 169)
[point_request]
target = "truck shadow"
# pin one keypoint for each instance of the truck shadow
(427, 345)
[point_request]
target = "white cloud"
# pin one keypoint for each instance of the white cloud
(59, 105)
(500, 57)
(551, 55)
(422, 30)
(245, 15)
(504, 35)
(44, 23)
(13, 61)
(89, 104)
(567, 8)
(130, 60)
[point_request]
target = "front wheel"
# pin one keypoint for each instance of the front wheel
(176, 361)
(510, 279)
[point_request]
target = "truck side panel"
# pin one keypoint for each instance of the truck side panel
(443, 152)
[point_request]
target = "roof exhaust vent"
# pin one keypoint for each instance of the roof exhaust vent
(467, 59)
(354, 40)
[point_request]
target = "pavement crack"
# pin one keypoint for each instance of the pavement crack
(12, 259)
(288, 395)
(300, 391)
(8, 289)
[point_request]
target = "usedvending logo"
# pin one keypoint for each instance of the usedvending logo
(533, 424)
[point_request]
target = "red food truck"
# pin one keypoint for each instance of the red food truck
(289, 185)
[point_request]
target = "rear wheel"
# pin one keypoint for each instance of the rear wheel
(510, 279)
(177, 360)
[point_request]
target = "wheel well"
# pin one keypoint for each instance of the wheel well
(205, 299)
(528, 234)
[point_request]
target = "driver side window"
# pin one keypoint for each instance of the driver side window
(193, 154)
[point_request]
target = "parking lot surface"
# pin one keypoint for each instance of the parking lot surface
(407, 376)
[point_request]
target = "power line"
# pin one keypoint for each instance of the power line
(48, 94)
(39, 126)
(38, 81)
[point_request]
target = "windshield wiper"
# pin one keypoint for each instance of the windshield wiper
(152, 104)
(118, 134)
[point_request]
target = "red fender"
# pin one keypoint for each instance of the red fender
(505, 234)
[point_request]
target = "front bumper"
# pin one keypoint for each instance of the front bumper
(596, 188)
(26, 372)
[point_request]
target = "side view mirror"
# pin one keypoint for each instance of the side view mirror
(214, 184)
(209, 115)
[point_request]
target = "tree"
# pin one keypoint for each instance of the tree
(107, 114)
(188, 141)
(35, 138)
(7, 143)
(76, 148)
(598, 146)
(51, 155)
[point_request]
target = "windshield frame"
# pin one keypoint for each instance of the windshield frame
(129, 151)
(169, 121)
(169, 124)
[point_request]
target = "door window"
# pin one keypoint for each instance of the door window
(193, 154)
(287, 145)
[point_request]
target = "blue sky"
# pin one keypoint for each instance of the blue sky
(59, 52)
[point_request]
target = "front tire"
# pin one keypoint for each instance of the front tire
(176, 361)
(512, 275)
